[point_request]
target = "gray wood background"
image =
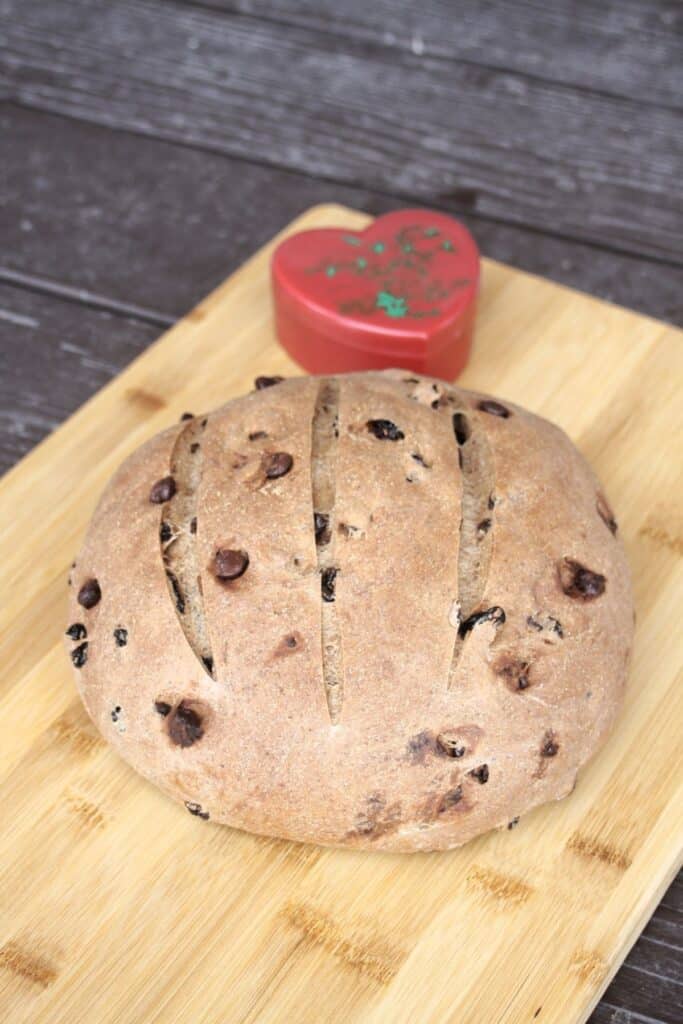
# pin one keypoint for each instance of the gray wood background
(147, 147)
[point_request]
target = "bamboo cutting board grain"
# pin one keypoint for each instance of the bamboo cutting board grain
(116, 905)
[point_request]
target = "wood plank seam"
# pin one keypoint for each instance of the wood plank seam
(83, 297)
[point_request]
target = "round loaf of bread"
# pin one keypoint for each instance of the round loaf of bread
(372, 610)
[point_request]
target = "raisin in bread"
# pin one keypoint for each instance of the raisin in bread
(371, 610)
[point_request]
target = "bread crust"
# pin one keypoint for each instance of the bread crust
(472, 667)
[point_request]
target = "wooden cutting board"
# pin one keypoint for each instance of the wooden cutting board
(116, 905)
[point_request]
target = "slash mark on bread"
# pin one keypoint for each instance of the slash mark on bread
(324, 434)
(476, 509)
(178, 536)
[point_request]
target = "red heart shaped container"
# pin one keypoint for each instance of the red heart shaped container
(400, 293)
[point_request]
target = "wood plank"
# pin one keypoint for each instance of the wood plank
(660, 960)
(55, 355)
(114, 231)
(209, 923)
(113, 234)
(673, 900)
(651, 979)
(664, 966)
(649, 994)
(612, 1013)
(631, 48)
(95, 233)
(511, 148)
(666, 926)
